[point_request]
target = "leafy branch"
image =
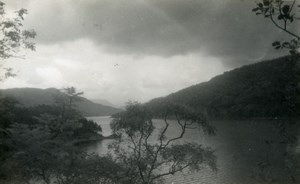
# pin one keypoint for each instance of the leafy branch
(13, 39)
(283, 14)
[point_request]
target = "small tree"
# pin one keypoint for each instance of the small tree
(65, 101)
(283, 14)
(147, 161)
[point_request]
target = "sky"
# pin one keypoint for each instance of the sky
(122, 50)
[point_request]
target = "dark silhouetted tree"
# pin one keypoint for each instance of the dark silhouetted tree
(147, 157)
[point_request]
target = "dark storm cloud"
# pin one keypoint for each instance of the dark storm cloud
(160, 46)
(221, 28)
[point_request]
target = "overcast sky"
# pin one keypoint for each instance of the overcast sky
(122, 50)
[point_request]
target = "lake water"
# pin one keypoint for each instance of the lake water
(101, 146)
(248, 152)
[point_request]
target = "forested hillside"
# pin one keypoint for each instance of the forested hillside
(268, 89)
(30, 97)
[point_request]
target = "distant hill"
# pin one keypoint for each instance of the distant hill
(33, 97)
(267, 89)
(103, 102)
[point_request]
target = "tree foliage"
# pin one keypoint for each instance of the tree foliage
(6, 120)
(147, 156)
(13, 38)
(284, 14)
(43, 142)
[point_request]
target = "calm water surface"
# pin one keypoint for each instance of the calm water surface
(242, 147)
(101, 146)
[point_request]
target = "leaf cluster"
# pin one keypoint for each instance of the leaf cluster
(282, 14)
(12, 36)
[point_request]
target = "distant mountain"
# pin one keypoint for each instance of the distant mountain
(33, 97)
(103, 102)
(267, 89)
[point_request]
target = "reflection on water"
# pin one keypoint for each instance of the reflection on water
(101, 146)
(251, 151)
(104, 122)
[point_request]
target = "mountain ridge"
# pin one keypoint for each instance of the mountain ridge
(29, 97)
(267, 89)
